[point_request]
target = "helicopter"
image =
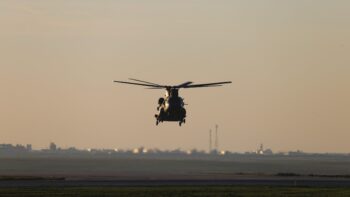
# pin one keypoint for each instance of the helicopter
(171, 108)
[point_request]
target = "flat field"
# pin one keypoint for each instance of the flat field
(133, 168)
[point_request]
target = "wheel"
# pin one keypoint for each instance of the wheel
(157, 122)
(180, 123)
(184, 120)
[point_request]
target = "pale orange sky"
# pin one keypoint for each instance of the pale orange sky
(289, 62)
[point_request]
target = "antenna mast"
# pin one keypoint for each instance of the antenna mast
(216, 138)
(210, 141)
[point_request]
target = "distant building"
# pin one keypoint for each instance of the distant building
(53, 146)
(9, 149)
(262, 151)
(268, 152)
(296, 153)
(29, 147)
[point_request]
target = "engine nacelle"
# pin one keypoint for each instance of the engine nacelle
(161, 101)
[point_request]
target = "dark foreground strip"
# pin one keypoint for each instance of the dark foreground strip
(236, 182)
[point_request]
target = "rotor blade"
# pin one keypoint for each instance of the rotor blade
(211, 86)
(207, 84)
(144, 81)
(153, 88)
(140, 84)
(184, 84)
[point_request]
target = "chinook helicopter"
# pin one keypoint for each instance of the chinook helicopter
(172, 106)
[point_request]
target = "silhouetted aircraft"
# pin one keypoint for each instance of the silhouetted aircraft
(171, 107)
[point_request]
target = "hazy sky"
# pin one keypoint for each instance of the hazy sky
(289, 62)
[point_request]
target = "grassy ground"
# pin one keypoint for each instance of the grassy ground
(174, 191)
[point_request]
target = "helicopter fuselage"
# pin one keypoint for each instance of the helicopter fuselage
(171, 108)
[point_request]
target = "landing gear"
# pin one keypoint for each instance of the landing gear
(182, 121)
(159, 117)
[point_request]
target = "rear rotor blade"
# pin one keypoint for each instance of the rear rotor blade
(156, 88)
(183, 84)
(144, 81)
(140, 84)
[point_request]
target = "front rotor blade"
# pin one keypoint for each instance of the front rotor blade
(207, 84)
(140, 84)
(144, 81)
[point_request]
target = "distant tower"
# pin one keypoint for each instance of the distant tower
(210, 141)
(216, 138)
